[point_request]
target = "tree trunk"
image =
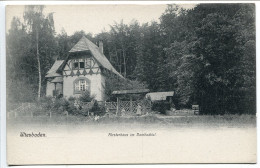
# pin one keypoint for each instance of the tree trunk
(124, 63)
(39, 64)
(119, 61)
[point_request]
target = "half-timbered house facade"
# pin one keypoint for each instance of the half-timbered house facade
(81, 71)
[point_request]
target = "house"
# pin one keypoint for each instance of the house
(82, 70)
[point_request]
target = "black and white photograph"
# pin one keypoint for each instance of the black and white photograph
(131, 83)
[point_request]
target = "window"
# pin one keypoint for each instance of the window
(81, 84)
(75, 65)
(78, 64)
(81, 64)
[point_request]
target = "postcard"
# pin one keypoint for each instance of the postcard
(131, 84)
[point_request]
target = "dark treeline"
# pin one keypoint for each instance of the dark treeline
(206, 55)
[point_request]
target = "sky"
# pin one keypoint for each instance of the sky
(94, 18)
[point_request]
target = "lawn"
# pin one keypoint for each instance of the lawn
(155, 119)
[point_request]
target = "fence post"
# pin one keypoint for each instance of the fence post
(15, 114)
(117, 105)
(131, 104)
(67, 114)
(23, 108)
(50, 114)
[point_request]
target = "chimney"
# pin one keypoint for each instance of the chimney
(100, 46)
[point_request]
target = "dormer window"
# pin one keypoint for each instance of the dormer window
(75, 65)
(79, 64)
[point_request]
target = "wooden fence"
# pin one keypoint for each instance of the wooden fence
(30, 110)
(129, 106)
(23, 109)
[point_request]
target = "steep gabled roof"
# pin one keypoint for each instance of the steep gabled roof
(85, 44)
(80, 46)
(57, 80)
(53, 71)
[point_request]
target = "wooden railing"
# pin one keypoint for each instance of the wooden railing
(129, 106)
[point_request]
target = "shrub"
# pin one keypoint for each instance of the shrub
(86, 97)
(60, 105)
(71, 98)
(98, 109)
(46, 102)
(85, 109)
(72, 108)
(161, 106)
(73, 105)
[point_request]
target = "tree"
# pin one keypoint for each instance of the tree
(120, 34)
(208, 56)
(31, 47)
(114, 83)
(37, 23)
(19, 69)
(217, 44)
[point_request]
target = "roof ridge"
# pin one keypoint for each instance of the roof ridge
(85, 38)
(97, 54)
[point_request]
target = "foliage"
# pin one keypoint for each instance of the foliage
(21, 53)
(220, 80)
(71, 98)
(114, 83)
(97, 109)
(86, 97)
(45, 102)
(161, 106)
(74, 106)
(209, 63)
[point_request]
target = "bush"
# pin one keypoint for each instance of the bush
(45, 102)
(72, 108)
(73, 105)
(60, 105)
(97, 108)
(161, 106)
(71, 98)
(86, 97)
(85, 110)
